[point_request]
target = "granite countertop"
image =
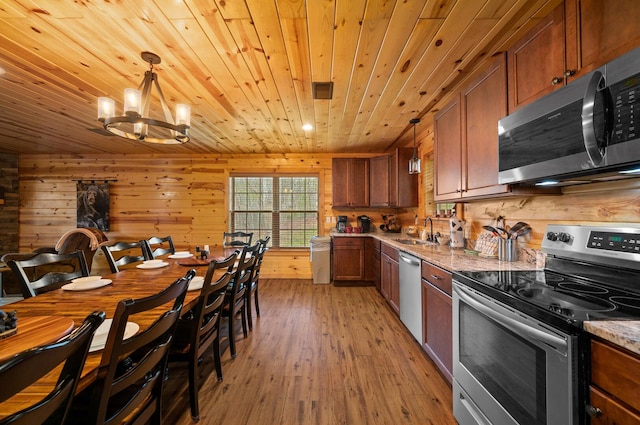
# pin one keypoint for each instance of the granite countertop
(623, 333)
(443, 256)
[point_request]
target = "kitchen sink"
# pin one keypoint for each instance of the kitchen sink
(414, 242)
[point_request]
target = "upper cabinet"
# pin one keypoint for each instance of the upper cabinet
(350, 182)
(537, 61)
(466, 140)
(604, 30)
(575, 38)
(391, 183)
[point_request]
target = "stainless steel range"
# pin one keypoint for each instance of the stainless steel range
(520, 355)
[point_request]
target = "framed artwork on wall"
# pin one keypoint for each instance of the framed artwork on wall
(93, 205)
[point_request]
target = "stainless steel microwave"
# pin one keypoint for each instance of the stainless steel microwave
(586, 131)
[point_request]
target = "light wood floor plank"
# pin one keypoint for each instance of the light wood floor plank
(319, 355)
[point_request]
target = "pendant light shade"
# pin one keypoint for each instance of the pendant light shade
(135, 123)
(414, 162)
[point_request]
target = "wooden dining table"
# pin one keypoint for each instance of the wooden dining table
(131, 283)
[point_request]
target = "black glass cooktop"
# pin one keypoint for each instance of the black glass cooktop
(548, 295)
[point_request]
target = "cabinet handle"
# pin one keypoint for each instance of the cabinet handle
(436, 277)
(594, 412)
(556, 80)
(570, 73)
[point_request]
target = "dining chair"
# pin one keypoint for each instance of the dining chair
(234, 304)
(161, 246)
(67, 356)
(47, 271)
(236, 239)
(199, 329)
(252, 286)
(130, 380)
(121, 254)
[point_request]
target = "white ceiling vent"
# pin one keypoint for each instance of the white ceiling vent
(322, 90)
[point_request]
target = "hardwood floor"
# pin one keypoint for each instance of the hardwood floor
(320, 355)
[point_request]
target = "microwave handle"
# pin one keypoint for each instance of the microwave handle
(559, 343)
(588, 125)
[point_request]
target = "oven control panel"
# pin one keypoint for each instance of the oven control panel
(615, 241)
(617, 244)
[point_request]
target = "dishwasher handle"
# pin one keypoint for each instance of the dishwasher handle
(409, 260)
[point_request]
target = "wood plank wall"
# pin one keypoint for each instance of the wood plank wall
(180, 195)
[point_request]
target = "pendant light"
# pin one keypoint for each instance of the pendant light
(414, 163)
(136, 123)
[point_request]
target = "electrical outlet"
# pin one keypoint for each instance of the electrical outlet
(328, 220)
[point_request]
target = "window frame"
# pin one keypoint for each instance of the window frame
(275, 238)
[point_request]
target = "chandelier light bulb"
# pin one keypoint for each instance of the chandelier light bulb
(183, 114)
(106, 108)
(132, 101)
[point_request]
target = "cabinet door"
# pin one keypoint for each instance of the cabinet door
(484, 102)
(537, 61)
(379, 187)
(394, 298)
(359, 182)
(448, 152)
(608, 29)
(404, 186)
(437, 328)
(348, 258)
(385, 276)
(340, 178)
(350, 182)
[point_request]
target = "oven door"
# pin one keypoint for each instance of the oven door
(509, 368)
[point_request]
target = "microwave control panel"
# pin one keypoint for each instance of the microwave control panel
(625, 94)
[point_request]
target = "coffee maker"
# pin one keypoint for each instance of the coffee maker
(365, 223)
(341, 225)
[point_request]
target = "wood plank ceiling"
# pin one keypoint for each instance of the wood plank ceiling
(246, 67)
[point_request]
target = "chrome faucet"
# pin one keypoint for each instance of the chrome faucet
(430, 237)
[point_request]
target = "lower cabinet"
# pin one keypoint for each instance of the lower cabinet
(372, 261)
(390, 276)
(348, 258)
(615, 386)
(437, 325)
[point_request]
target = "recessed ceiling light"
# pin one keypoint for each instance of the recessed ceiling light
(307, 127)
(2, 71)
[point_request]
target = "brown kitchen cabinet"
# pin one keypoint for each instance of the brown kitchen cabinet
(350, 182)
(437, 322)
(391, 184)
(537, 61)
(348, 258)
(615, 385)
(372, 261)
(466, 141)
(390, 276)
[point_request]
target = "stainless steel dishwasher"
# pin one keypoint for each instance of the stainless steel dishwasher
(411, 294)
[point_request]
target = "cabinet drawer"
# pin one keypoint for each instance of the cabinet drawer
(389, 251)
(348, 242)
(616, 372)
(612, 411)
(438, 277)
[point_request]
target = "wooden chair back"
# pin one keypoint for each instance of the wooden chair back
(132, 370)
(47, 271)
(161, 246)
(236, 239)
(198, 331)
(123, 253)
(26, 368)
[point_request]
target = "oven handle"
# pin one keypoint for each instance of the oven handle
(554, 341)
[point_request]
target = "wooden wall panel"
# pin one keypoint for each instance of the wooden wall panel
(9, 206)
(182, 196)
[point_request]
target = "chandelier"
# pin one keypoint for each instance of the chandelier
(135, 122)
(414, 162)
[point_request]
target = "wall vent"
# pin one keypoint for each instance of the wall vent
(322, 90)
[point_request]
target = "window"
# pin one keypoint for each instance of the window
(283, 207)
